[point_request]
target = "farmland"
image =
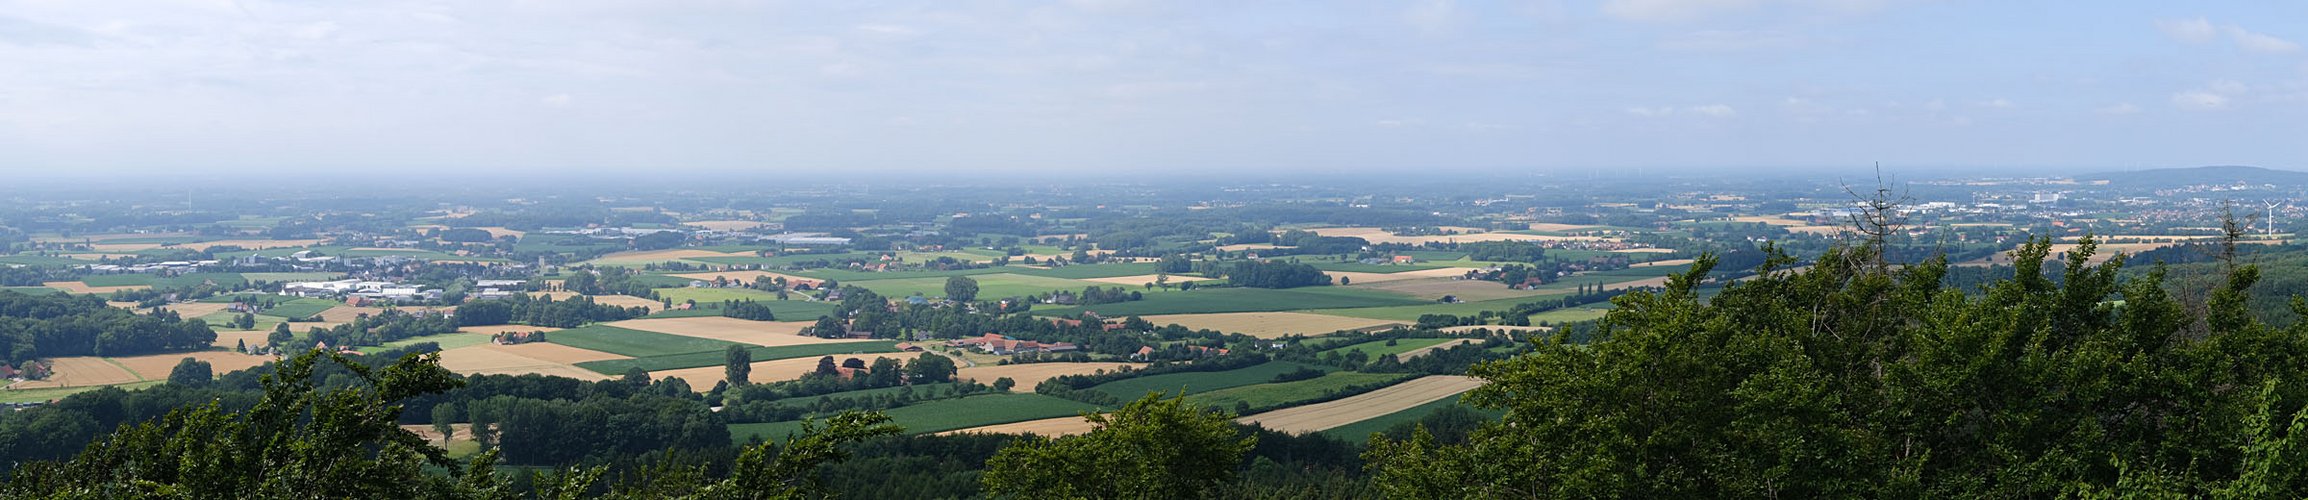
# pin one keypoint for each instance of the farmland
(943, 415)
(1028, 375)
(1269, 324)
(989, 285)
(1223, 300)
(1199, 382)
(1390, 400)
(1287, 393)
(1378, 348)
(632, 343)
(718, 357)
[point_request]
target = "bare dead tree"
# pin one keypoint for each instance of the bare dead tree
(1879, 217)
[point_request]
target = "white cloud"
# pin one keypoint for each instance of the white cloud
(1432, 16)
(1687, 10)
(2121, 108)
(2257, 42)
(2198, 30)
(2198, 100)
(556, 100)
(1998, 103)
(1715, 110)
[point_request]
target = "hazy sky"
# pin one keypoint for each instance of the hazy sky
(662, 85)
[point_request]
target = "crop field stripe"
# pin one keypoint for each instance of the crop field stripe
(942, 415)
(1224, 300)
(720, 356)
(1271, 395)
(1378, 348)
(629, 342)
(1199, 382)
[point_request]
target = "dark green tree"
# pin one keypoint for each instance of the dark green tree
(191, 372)
(739, 365)
(1154, 447)
(961, 289)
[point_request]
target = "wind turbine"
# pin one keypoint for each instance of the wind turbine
(2272, 204)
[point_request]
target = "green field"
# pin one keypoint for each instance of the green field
(1199, 382)
(447, 341)
(40, 260)
(300, 308)
(943, 415)
(719, 355)
(251, 296)
(712, 295)
(780, 261)
(1411, 313)
(990, 286)
(1581, 313)
(848, 276)
(1378, 348)
(1092, 271)
(1244, 300)
(42, 395)
(32, 290)
(635, 343)
(918, 390)
(1266, 396)
(1359, 432)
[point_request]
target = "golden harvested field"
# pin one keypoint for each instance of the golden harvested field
(1030, 374)
(1269, 324)
(79, 287)
(609, 300)
(123, 247)
(232, 338)
(1377, 235)
(1413, 353)
(1826, 230)
(157, 366)
(1772, 220)
(252, 244)
(726, 225)
(1139, 280)
(1550, 226)
(457, 432)
(497, 329)
(1645, 250)
(97, 256)
(1247, 246)
(1324, 416)
(190, 310)
(500, 232)
(80, 371)
(701, 379)
(535, 357)
(1048, 427)
(1465, 290)
(639, 257)
(765, 333)
(746, 276)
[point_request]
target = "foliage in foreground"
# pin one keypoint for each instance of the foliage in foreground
(1151, 448)
(1852, 379)
(299, 442)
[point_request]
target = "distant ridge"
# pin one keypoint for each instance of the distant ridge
(2201, 175)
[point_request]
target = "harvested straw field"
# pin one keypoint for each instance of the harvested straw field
(1030, 374)
(765, 333)
(1269, 324)
(1365, 406)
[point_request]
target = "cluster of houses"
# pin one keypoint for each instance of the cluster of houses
(998, 344)
(497, 289)
(357, 292)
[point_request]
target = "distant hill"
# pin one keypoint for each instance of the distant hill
(2201, 175)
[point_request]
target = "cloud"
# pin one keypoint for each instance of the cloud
(1715, 110)
(1998, 103)
(2198, 30)
(2201, 30)
(1432, 16)
(14, 31)
(2121, 108)
(556, 100)
(2257, 42)
(2198, 100)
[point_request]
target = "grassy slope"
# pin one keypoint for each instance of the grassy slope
(635, 343)
(943, 415)
(1198, 382)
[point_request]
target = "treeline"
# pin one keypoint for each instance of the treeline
(608, 281)
(543, 311)
(38, 326)
(1274, 274)
(377, 329)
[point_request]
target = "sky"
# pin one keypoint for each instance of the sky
(1416, 88)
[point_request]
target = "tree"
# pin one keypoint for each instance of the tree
(1004, 384)
(1856, 379)
(279, 337)
(961, 289)
(1154, 447)
(738, 367)
(828, 327)
(445, 421)
(296, 442)
(826, 366)
(191, 373)
(929, 369)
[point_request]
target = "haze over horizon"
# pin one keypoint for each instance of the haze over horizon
(231, 87)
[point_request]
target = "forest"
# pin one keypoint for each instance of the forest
(39, 326)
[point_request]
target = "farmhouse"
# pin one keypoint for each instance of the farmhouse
(994, 343)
